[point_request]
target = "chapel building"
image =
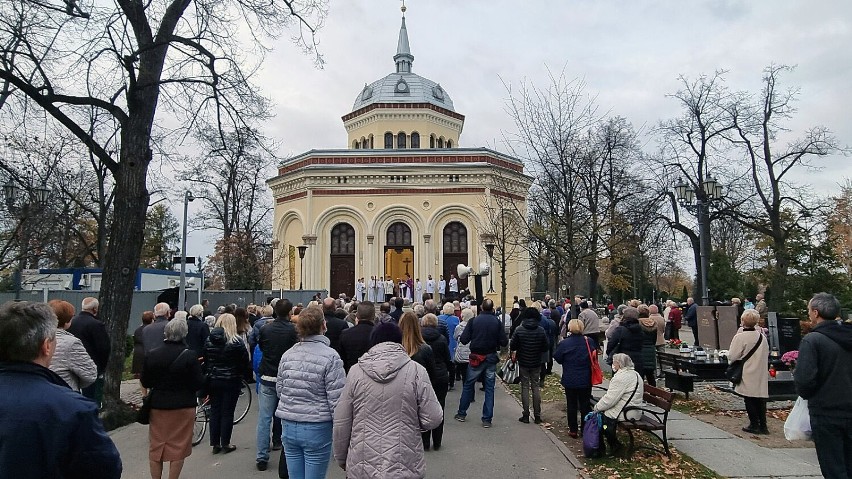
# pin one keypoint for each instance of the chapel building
(403, 198)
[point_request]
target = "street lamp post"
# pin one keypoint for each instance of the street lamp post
(698, 201)
(489, 247)
(302, 250)
(187, 197)
(32, 199)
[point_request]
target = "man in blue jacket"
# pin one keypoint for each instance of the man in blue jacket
(486, 335)
(46, 429)
(824, 378)
(691, 318)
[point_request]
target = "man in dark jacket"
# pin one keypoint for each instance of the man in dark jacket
(824, 378)
(92, 333)
(275, 338)
(334, 325)
(398, 303)
(196, 338)
(528, 343)
(152, 335)
(485, 334)
(691, 318)
(355, 341)
(627, 339)
(46, 429)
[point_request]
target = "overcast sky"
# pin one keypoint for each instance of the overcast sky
(629, 54)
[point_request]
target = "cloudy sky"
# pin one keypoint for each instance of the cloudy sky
(628, 53)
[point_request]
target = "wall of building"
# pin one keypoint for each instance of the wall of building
(425, 122)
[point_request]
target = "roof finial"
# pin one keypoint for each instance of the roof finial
(403, 57)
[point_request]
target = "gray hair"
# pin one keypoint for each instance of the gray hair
(180, 315)
(448, 308)
(429, 320)
(176, 330)
(826, 306)
(419, 310)
(196, 311)
(89, 304)
(430, 306)
(622, 360)
(24, 326)
(162, 309)
(551, 304)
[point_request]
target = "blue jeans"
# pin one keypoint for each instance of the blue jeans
(308, 448)
(489, 366)
(268, 400)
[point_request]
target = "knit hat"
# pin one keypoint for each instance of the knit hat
(384, 332)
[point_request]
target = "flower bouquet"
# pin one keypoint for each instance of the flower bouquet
(789, 358)
(673, 343)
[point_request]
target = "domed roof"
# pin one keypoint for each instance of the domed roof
(403, 86)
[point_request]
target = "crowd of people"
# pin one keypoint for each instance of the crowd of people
(365, 384)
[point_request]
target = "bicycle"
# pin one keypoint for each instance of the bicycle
(202, 413)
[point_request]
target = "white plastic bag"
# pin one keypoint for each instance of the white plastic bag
(797, 427)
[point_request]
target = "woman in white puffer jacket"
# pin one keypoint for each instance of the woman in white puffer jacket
(625, 389)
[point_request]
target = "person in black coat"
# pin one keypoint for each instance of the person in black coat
(47, 429)
(355, 341)
(434, 337)
(627, 339)
(334, 325)
(173, 375)
(527, 345)
(574, 354)
(196, 338)
(93, 334)
(226, 363)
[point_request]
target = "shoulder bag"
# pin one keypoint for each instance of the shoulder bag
(734, 373)
(143, 415)
(597, 374)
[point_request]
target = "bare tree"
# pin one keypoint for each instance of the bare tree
(105, 70)
(776, 207)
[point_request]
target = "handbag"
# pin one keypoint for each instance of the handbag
(592, 434)
(797, 427)
(509, 372)
(597, 373)
(143, 415)
(734, 373)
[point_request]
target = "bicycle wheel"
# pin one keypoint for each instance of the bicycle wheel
(200, 426)
(243, 403)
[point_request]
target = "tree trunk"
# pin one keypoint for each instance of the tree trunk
(594, 275)
(125, 246)
(777, 300)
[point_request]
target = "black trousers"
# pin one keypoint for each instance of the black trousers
(223, 401)
(833, 443)
(756, 410)
(610, 428)
(435, 436)
(578, 399)
(451, 368)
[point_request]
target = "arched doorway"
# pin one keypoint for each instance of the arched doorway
(342, 278)
(399, 252)
(455, 251)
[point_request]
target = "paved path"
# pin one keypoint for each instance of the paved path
(510, 449)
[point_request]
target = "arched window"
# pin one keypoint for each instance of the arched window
(355, 144)
(449, 143)
(441, 142)
(371, 142)
(455, 238)
(343, 239)
(388, 141)
(415, 140)
(431, 141)
(400, 140)
(399, 234)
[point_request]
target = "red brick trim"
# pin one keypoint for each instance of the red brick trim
(508, 195)
(377, 160)
(294, 196)
(396, 191)
(403, 106)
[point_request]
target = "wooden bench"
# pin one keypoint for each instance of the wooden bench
(675, 374)
(655, 414)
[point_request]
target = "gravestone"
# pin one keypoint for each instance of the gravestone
(727, 324)
(708, 333)
(784, 334)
